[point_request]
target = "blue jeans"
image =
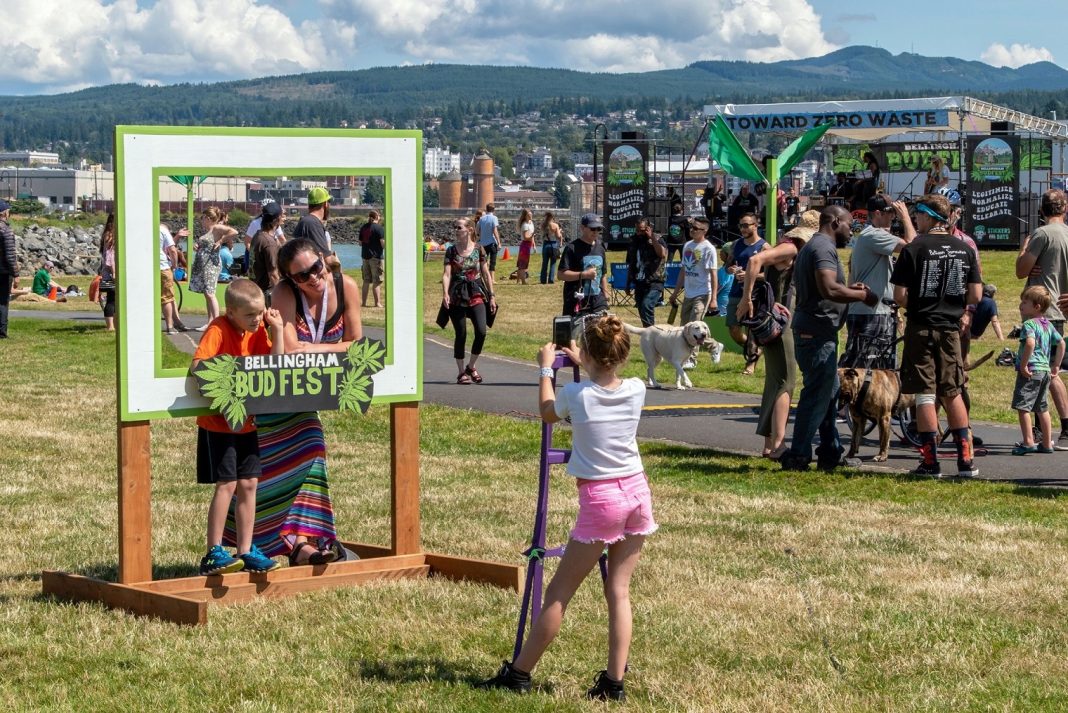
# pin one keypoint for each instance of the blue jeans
(549, 256)
(817, 360)
(647, 296)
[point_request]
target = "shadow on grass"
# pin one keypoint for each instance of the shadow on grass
(415, 670)
(109, 572)
(81, 325)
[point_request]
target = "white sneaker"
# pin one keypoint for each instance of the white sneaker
(717, 352)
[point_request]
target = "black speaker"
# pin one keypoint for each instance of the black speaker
(1000, 128)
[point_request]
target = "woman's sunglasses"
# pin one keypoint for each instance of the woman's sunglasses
(305, 275)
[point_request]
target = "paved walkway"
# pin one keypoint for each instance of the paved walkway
(722, 420)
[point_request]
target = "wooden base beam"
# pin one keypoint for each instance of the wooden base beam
(185, 600)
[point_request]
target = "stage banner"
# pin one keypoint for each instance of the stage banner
(897, 157)
(904, 120)
(992, 208)
(625, 188)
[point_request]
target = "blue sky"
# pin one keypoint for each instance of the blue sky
(52, 46)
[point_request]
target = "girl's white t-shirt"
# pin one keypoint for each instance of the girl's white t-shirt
(526, 230)
(604, 425)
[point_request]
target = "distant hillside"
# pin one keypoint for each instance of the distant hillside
(81, 122)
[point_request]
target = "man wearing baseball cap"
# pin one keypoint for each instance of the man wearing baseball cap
(582, 270)
(8, 266)
(313, 225)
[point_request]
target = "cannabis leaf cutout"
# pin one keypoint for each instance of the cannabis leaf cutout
(219, 375)
(365, 358)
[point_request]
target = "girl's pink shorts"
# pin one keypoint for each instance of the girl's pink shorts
(609, 510)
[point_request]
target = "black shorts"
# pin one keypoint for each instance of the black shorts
(225, 457)
(1029, 394)
(932, 362)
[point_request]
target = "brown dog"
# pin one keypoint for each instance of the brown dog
(882, 402)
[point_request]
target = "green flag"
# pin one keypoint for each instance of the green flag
(724, 148)
(792, 154)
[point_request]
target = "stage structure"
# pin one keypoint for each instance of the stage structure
(147, 391)
(1000, 160)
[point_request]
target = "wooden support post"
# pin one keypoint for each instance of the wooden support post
(404, 477)
(135, 502)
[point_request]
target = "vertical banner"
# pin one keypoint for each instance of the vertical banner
(993, 204)
(625, 189)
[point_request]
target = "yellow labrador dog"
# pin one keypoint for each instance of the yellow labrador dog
(671, 344)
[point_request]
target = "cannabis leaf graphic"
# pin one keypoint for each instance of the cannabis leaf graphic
(367, 355)
(219, 377)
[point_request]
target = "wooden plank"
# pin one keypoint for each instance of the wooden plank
(275, 588)
(135, 502)
(404, 477)
(169, 607)
(506, 576)
(332, 581)
(187, 585)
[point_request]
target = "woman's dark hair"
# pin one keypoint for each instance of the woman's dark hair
(289, 252)
(606, 341)
(549, 218)
(107, 236)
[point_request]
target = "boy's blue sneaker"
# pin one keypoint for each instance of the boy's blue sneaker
(219, 561)
(256, 561)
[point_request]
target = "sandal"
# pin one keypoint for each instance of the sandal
(473, 373)
(463, 378)
(315, 558)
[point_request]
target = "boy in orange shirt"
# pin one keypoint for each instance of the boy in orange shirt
(231, 459)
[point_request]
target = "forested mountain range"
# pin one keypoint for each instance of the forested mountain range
(466, 106)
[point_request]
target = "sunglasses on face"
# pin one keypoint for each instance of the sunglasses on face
(305, 275)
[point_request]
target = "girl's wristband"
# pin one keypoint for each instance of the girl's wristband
(546, 372)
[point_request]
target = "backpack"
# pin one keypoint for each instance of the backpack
(769, 317)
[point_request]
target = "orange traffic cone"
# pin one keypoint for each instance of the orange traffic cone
(506, 255)
(52, 294)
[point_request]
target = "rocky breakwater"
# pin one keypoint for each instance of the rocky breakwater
(74, 250)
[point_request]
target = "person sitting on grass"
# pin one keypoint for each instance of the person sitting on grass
(43, 284)
(231, 459)
(615, 506)
(1038, 361)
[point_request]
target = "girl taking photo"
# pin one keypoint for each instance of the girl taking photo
(615, 506)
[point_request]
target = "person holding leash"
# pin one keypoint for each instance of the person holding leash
(615, 505)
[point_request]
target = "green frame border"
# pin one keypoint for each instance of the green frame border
(386, 173)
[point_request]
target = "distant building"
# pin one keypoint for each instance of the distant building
(29, 158)
(517, 200)
(437, 161)
(70, 188)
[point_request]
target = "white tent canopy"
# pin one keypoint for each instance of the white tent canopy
(874, 119)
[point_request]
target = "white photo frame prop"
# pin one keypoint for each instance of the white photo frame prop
(146, 153)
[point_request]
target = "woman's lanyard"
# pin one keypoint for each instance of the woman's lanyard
(316, 328)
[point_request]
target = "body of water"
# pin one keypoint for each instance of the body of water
(349, 255)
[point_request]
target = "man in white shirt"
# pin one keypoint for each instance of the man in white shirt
(168, 257)
(697, 278)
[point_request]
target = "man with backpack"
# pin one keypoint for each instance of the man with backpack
(372, 251)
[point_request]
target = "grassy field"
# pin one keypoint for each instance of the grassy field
(761, 592)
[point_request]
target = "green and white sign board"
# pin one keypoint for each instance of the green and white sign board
(146, 154)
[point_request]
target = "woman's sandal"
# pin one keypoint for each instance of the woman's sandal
(463, 378)
(315, 558)
(473, 373)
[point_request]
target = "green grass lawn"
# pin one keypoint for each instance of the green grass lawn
(928, 595)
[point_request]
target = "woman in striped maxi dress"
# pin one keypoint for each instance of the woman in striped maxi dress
(321, 313)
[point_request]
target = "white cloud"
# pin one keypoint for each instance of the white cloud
(1015, 55)
(63, 44)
